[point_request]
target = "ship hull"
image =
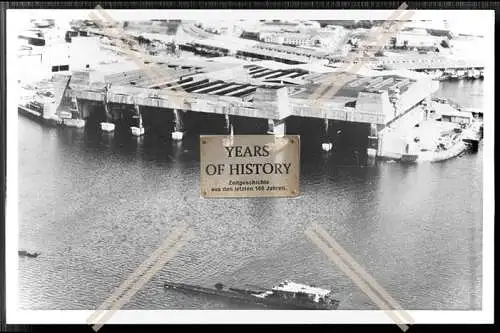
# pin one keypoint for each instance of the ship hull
(29, 112)
(472, 144)
(245, 297)
(35, 115)
(473, 136)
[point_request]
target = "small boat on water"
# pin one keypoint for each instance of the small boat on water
(24, 253)
(327, 146)
(287, 295)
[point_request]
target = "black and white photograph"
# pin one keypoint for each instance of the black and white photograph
(391, 206)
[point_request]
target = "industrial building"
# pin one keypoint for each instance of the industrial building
(419, 38)
(267, 93)
(63, 53)
(324, 38)
(288, 83)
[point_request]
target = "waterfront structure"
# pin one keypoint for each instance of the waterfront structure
(268, 90)
(262, 51)
(426, 62)
(375, 101)
(206, 43)
(449, 114)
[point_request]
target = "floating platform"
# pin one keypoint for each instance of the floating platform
(177, 135)
(327, 146)
(108, 127)
(137, 131)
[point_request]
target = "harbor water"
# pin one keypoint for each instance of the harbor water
(97, 205)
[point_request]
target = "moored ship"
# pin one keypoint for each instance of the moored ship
(31, 108)
(38, 104)
(32, 102)
(24, 253)
(285, 295)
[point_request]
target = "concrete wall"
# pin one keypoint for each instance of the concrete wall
(274, 102)
(172, 100)
(375, 103)
(393, 138)
(336, 110)
(390, 144)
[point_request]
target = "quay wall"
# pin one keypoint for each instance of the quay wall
(393, 139)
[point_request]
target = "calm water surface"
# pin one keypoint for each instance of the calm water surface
(97, 206)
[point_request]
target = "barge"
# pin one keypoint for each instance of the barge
(34, 110)
(285, 295)
(37, 104)
(31, 109)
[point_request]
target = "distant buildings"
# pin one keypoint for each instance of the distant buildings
(408, 38)
(302, 34)
(168, 27)
(264, 27)
(277, 26)
(353, 24)
(214, 28)
(297, 39)
(420, 38)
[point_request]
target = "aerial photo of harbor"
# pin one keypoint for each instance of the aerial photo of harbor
(391, 164)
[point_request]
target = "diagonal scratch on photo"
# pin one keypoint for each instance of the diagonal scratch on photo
(389, 212)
